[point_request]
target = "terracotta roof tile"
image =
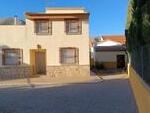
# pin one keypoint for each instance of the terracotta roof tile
(117, 38)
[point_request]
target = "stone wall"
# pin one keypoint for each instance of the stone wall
(67, 70)
(14, 72)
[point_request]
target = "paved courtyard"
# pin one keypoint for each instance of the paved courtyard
(108, 96)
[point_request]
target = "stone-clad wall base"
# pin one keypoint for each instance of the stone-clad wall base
(59, 71)
(14, 72)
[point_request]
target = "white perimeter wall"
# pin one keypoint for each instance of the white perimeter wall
(108, 56)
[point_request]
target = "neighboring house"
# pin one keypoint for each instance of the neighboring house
(110, 52)
(53, 43)
(11, 21)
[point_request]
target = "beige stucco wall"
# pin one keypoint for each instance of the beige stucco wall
(141, 91)
(24, 37)
(59, 39)
(108, 56)
(12, 37)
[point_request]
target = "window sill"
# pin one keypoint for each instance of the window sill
(73, 64)
(73, 33)
(13, 65)
(43, 34)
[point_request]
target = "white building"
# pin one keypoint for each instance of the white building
(111, 52)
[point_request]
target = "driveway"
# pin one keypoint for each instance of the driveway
(109, 96)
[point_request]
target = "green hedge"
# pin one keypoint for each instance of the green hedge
(138, 23)
(138, 36)
(146, 22)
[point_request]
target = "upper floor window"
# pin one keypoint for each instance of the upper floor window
(12, 56)
(43, 27)
(73, 26)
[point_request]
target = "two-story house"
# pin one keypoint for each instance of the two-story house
(53, 43)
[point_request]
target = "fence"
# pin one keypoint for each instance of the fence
(140, 61)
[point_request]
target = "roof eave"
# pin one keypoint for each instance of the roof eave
(30, 15)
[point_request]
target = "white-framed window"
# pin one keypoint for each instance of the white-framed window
(73, 26)
(43, 27)
(12, 56)
(69, 55)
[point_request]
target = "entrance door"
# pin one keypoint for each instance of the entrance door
(40, 62)
(120, 61)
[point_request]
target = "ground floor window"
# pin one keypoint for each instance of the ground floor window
(69, 55)
(12, 56)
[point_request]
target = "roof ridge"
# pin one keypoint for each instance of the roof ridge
(112, 35)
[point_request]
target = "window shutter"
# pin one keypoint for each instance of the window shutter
(60, 55)
(50, 27)
(66, 26)
(20, 56)
(77, 56)
(80, 26)
(35, 26)
(3, 57)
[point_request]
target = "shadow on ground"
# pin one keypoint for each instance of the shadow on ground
(112, 96)
(107, 72)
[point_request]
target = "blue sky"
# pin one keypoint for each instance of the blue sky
(107, 16)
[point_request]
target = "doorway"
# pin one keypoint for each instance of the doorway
(120, 61)
(38, 61)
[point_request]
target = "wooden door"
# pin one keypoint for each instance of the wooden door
(40, 62)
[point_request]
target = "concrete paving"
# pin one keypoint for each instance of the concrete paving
(108, 96)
